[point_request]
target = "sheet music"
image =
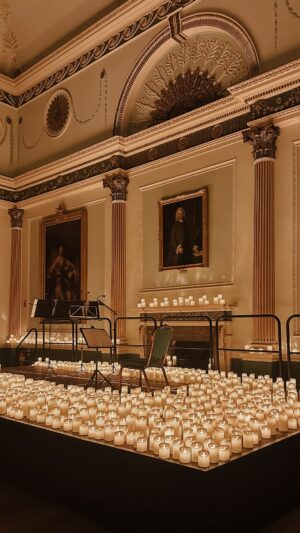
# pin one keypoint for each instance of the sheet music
(33, 310)
(96, 338)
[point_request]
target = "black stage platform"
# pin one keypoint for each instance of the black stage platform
(132, 492)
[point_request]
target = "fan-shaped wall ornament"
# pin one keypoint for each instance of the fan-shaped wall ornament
(57, 113)
(217, 53)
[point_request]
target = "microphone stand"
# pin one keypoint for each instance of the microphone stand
(114, 313)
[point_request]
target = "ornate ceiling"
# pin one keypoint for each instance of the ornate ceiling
(31, 29)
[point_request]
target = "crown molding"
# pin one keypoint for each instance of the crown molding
(116, 29)
(271, 82)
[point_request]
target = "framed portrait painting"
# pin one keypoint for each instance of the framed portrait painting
(63, 253)
(183, 231)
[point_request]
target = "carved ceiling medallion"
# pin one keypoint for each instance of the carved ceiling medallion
(57, 113)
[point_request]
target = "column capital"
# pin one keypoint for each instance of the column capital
(263, 140)
(16, 217)
(117, 183)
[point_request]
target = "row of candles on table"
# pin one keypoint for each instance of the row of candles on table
(203, 424)
(181, 301)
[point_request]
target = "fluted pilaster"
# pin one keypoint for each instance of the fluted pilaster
(263, 140)
(118, 184)
(14, 323)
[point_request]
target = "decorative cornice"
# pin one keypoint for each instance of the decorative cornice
(97, 52)
(263, 140)
(275, 104)
(16, 217)
(117, 183)
(141, 157)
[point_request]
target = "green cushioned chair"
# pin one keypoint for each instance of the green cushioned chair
(161, 339)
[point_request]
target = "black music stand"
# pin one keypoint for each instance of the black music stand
(97, 338)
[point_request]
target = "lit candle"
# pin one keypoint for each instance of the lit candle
(99, 432)
(56, 422)
(247, 439)
(203, 459)
(33, 413)
(218, 434)
(142, 444)
(83, 429)
(2, 407)
(283, 422)
(236, 444)
(177, 444)
(292, 423)
(109, 432)
(68, 424)
(196, 448)
(91, 431)
(224, 453)
(185, 455)
(164, 450)
(266, 432)
(119, 438)
(130, 438)
(213, 450)
(76, 424)
(201, 434)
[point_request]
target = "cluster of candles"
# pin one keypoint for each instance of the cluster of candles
(181, 301)
(63, 337)
(205, 424)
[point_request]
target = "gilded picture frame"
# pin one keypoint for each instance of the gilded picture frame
(63, 255)
(183, 231)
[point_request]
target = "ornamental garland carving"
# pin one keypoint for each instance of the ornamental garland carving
(263, 108)
(263, 140)
(195, 73)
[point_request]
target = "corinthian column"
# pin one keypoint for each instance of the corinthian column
(118, 183)
(263, 141)
(16, 222)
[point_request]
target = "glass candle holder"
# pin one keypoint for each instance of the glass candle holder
(119, 438)
(203, 459)
(185, 455)
(164, 450)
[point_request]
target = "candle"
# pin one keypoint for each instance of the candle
(283, 422)
(130, 438)
(218, 435)
(236, 443)
(68, 424)
(109, 432)
(224, 452)
(56, 422)
(19, 413)
(247, 439)
(177, 444)
(213, 450)
(164, 450)
(156, 442)
(142, 444)
(76, 424)
(203, 459)
(119, 438)
(196, 448)
(266, 432)
(185, 455)
(201, 434)
(292, 423)
(99, 432)
(33, 413)
(2, 407)
(83, 429)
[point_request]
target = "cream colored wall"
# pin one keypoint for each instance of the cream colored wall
(8, 139)
(5, 270)
(287, 176)
(36, 147)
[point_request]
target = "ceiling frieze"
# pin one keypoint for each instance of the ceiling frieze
(103, 48)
